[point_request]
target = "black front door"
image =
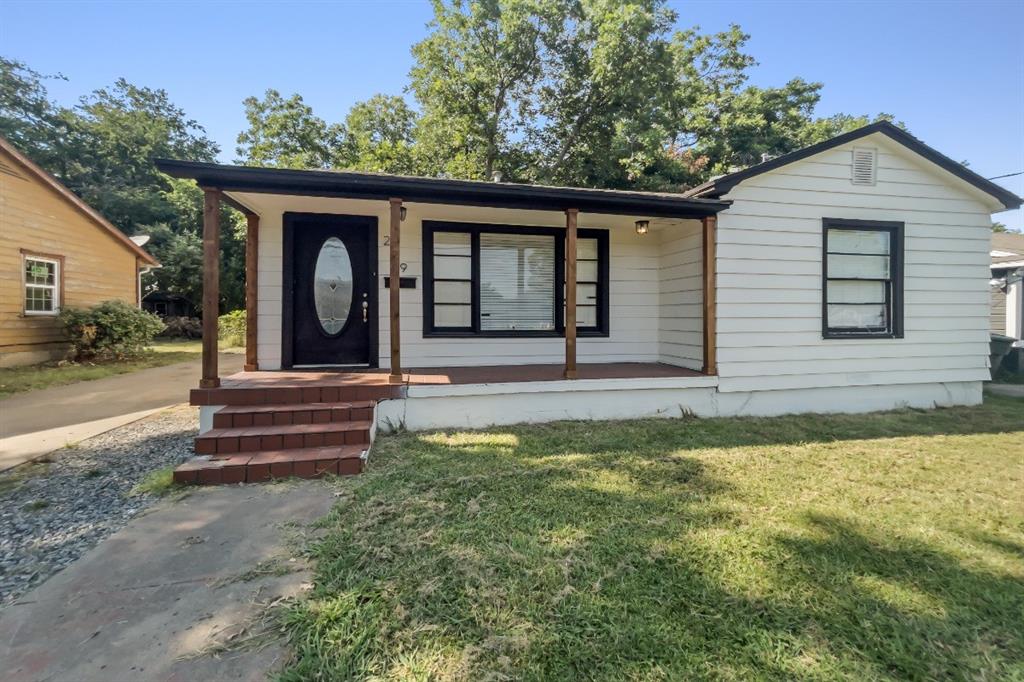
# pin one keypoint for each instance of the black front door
(330, 302)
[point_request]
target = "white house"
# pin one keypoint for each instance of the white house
(849, 276)
(1007, 285)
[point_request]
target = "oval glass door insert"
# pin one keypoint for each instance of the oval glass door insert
(332, 285)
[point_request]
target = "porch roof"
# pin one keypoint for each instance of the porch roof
(346, 184)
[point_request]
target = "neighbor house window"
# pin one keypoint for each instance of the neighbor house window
(863, 279)
(42, 285)
(497, 280)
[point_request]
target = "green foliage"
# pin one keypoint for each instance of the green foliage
(231, 329)
(285, 133)
(109, 330)
(118, 131)
(28, 119)
(474, 76)
(378, 136)
(158, 483)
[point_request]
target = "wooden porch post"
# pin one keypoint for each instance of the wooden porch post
(710, 310)
(252, 254)
(395, 272)
(570, 293)
(211, 286)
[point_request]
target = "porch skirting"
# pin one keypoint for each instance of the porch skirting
(481, 405)
(451, 406)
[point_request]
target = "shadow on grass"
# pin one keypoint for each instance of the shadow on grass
(608, 551)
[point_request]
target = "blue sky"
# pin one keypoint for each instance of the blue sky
(952, 71)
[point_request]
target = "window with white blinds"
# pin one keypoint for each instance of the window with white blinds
(862, 281)
(517, 282)
(510, 281)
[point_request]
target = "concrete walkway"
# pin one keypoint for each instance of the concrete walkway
(35, 423)
(158, 599)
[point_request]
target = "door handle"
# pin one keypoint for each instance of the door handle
(365, 306)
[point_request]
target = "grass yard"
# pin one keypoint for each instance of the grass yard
(163, 352)
(884, 546)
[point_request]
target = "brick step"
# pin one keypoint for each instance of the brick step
(282, 437)
(290, 395)
(243, 416)
(345, 460)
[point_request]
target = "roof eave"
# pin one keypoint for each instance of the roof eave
(437, 191)
(720, 186)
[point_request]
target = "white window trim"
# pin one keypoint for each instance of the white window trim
(57, 274)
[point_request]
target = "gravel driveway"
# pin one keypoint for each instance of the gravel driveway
(52, 514)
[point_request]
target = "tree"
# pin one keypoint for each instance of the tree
(378, 136)
(117, 133)
(285, 133)
(607, 91)
(474, 77)
(28, 119)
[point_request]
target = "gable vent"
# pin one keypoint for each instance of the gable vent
(864, 165)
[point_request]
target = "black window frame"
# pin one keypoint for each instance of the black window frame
(894, 293)
(474, 330)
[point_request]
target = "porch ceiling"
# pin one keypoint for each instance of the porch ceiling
(344, 184)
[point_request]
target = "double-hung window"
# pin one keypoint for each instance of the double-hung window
(862, 279)
(42, 285)
(500, 280)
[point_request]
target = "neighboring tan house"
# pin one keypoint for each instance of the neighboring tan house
(55, 252)
(1007, 285)
(849, 276)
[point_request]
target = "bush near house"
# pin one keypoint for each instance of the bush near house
(231, 329)
(109, 330)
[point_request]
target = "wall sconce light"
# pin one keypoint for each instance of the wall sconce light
(401, 213)
(642, 226)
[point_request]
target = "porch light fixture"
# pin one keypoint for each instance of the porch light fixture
(401, 214)
(641, 226)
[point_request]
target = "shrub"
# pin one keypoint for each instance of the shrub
(231, 328)
(182, 328)
(109, 330)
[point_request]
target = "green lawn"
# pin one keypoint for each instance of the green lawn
(885, 546)
(163, 352)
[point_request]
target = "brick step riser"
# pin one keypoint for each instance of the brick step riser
(229, 445)
(260, 473)
(291, 396)
(239, 420)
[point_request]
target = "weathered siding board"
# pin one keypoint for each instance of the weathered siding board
(998, 317)
(97, 267)
(769, 282)
(681, 293)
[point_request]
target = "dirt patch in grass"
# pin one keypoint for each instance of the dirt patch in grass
(883, 546)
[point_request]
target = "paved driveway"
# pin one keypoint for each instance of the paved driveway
(154, 601)
(37, 422)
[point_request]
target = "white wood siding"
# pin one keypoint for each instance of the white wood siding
(769, 276)
(681, 322)
(635, 268)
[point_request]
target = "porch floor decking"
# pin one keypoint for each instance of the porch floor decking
(492, 374)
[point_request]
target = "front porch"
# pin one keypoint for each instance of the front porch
(441, 303)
